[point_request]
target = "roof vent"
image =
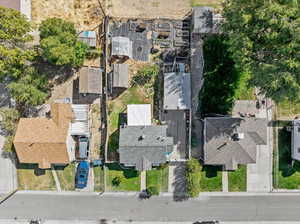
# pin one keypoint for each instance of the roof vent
(237, 136)
(142, 137)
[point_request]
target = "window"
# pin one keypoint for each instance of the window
(298, 150)
(298, 129)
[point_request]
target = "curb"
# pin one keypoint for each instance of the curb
(3, 199)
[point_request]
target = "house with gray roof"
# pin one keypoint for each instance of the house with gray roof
(143, 147)
(231, 141)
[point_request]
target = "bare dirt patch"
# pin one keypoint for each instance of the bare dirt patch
(86, 14)
(173, 9)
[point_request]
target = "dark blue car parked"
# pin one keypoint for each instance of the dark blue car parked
(82, 174)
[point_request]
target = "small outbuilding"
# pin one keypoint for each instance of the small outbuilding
(120, 76)
(202, 20)
(177, 91)
(139, 114)
(121, 47)
(88, 37)
(90, 80)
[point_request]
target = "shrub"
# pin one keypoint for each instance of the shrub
(153, 190)
(116, 181)
(193, 177)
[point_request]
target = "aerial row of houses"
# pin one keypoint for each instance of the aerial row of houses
(228, 140)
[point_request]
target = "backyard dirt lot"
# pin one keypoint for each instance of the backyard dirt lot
(86, 14)
(148, 8)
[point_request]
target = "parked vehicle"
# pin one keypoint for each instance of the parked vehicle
(83, 147)
(82, 175)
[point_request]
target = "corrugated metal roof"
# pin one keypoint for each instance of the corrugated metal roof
(139, 114)
(80, 124)
(90, 80)
(80, 112)
(88, 37)
(80, 128)
(121, 46)
(177, 91)
(120, 75)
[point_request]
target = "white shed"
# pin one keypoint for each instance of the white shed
(139, 114)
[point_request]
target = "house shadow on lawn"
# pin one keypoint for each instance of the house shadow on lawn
(127, 172)
(113, 141)
(211, 171)
(37, 170)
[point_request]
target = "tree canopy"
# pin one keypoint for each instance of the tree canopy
(14, 27)
(264, 39)
(59, 43)
(26, 86)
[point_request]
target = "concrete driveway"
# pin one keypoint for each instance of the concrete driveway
(258, 175)
(8, 180)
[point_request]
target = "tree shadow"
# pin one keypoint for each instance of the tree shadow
(27, 166)
(180, 191)
(286, 165)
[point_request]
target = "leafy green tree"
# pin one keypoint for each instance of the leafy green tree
(8, 144)
(14, 27)
(264, 39)
(30, 89)
(13, 62)
(59, 43)
(56, 27)
(221, 77)
(116, 181)
(9, 119)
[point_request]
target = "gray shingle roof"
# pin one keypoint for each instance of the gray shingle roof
(143, 146)
(120, 75)
(177, 91)
(221, 149)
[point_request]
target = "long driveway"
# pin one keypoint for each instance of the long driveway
(7, 172)
(270, 207)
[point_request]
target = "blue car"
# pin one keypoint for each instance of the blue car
(82, 174)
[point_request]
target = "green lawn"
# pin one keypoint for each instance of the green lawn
(288, 109)
(243, 91)
(158, 178)
(286, 176)
(211, 178)
(32, 178)
(237, 180)
(130, 178)
(66, 176)
(116, 107)
(98, 179)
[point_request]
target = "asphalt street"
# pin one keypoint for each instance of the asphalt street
(92, 207)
